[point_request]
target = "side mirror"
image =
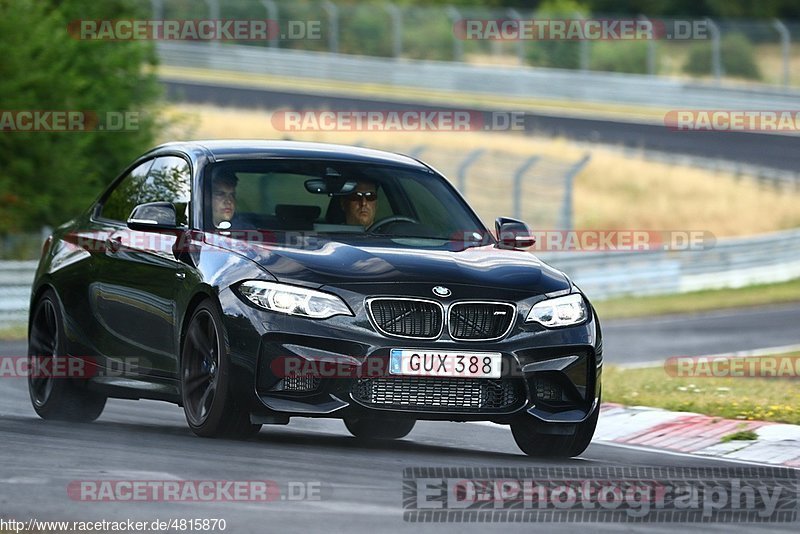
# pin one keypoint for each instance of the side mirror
(153, 216)
(513, 234)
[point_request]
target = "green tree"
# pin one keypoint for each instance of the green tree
(49, 177)
(736, 52)
(557, 53)
(762, 9)
(619, 56)
(365, 29)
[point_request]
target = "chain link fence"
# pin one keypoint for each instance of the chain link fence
(762, 50)
(536, 189)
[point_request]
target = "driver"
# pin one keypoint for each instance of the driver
(360, 206)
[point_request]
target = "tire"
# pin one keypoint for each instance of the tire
(56, 398)
(373, 428)
(209, 405)
(540, 445)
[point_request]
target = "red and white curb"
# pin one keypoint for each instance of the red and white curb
(691, 433)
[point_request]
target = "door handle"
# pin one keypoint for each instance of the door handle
(113, 244)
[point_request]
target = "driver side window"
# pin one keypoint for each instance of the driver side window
(169, 180)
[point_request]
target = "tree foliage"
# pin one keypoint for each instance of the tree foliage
(762, 9)
(48, 177)
(737, 54)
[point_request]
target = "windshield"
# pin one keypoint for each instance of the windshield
(333, 198)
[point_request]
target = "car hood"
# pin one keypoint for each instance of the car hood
(335, 263)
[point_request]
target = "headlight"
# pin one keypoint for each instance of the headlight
(561, 311)
(293, 300)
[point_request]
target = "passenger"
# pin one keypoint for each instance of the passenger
(223, 198)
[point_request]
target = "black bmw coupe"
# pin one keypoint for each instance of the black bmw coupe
(255, 281)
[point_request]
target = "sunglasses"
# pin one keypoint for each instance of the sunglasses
(369, 196)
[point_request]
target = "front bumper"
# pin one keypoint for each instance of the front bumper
(288, 366)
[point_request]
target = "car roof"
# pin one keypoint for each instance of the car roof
(233, 149)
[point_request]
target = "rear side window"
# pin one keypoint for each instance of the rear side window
(125, 196)
(169, 180)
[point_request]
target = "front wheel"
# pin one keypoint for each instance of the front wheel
(206, 390)
(535, 443)
(369, 428)
(59, 398)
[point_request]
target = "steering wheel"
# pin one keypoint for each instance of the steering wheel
(389, 220)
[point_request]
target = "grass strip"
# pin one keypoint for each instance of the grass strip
(775, 399)
(707, 300)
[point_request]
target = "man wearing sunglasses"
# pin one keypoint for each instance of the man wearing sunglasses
(359, 206)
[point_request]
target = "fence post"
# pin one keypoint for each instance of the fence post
(651, 47)
(786, 42)
(584, 48)
(458, 47)
(517, 189)
(213, 14)
(333, 25)
(158, 9)
(461, 173)
(45, 232)
(569, 178)
(272, 15)
(396, 15)
(515, 15)
(716, 59)
(417, 151)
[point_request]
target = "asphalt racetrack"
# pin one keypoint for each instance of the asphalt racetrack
(775, 151)
(359, 484)
(650, 339)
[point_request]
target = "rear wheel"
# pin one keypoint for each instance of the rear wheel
(208, 402)
(373, 428)
(534, 442)
(56, 397)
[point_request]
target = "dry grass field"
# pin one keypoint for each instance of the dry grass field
(614, 191)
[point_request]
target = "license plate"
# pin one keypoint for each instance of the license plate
(453, 364)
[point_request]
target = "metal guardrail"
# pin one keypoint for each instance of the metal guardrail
(730, 263)
(16, 278)
(523, 82)
(735, 262)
